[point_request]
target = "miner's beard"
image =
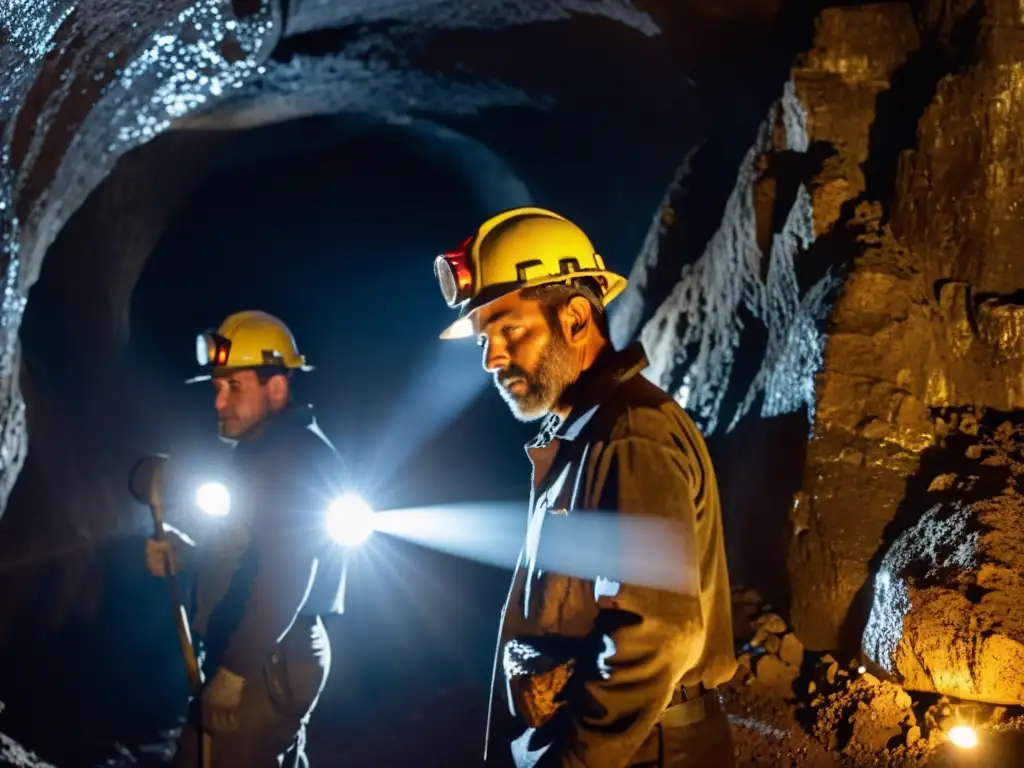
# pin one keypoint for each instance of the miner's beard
(532, 396)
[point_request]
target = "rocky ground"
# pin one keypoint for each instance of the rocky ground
(794, 708)
(789, 708)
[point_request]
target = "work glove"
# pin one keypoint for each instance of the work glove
(174, 549)
(220, 700)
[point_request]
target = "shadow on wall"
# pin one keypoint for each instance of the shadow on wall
(760, 467)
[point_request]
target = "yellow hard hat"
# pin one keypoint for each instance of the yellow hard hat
(518, 248)
(248, 339)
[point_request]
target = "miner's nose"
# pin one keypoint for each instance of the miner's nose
(495, 357)
(220, 401)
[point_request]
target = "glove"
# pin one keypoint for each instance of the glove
(174, 549)
(220, 700)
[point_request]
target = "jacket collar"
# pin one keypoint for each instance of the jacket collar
(287, 420)
(594, 387)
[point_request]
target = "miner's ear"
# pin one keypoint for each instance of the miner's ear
(278, 388)
(577, 318)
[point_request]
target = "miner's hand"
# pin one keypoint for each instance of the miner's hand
(174, 548)
(220, 700)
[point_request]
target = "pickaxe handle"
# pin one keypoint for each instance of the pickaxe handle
(146, 485)
(180, 618)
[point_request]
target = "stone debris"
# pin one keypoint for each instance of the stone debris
(792, 650)
(798, 708)
(772, 655)
(775, 673)
(864, 718)
(771, 622)
(942, 482)
(945, 616)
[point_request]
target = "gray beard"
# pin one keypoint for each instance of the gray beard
(544, 387)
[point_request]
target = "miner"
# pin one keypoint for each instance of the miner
(589, 671)
(265, 574)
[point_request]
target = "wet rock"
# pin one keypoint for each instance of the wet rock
(13, 754)
(792, 650)
(969, 425)
(947, 615)
(766, 640)
(771, 622)
(745, 596)
(943, 482)
(895, 333)
(775, 673)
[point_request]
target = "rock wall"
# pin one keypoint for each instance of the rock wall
(864, 272)
(741, 335)
(927, 317)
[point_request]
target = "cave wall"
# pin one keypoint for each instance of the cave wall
(927, 318)
(862, 270)
(84, 83)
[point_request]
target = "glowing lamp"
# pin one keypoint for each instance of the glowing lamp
(963, 736)
(350, 520)
(214, 499)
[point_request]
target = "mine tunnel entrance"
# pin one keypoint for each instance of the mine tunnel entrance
(335, 233)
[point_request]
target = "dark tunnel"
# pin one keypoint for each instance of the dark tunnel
(331, 225)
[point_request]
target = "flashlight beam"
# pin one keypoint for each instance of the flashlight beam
(641, 550)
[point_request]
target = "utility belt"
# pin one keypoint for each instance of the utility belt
(691, 704)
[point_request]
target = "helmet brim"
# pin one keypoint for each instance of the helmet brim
(218, 372)
(463, 327)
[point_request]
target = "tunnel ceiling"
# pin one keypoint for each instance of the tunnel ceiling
(86, 82)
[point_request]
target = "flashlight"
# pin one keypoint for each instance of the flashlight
(350, 520)
(214, 499)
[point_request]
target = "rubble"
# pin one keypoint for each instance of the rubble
(864, 718)
(837, 713)
(946, 614)
(768, 649)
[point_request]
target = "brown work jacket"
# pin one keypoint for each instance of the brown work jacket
(621, 592)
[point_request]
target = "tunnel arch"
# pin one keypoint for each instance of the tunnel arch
(77, 328)
(88, 84)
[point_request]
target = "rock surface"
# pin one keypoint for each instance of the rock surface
(864, 270)
(909, 332)
(14, 754)
(946, 615)
(843, 715)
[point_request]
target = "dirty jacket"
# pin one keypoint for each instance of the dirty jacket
(270, 559)
(587, 661)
